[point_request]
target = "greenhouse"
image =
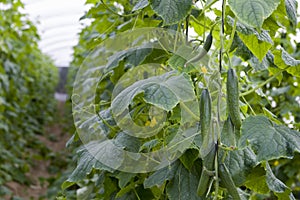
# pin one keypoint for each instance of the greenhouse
(149, 99)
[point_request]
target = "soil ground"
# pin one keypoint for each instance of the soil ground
(55, 139)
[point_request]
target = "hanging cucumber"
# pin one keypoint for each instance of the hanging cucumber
(227, 134)
(228, 182)
(203, 52)
(205, 113)
(233, 98)
(207, 172)
(208, 148)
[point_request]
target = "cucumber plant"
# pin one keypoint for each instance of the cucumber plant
(235, 107)
(28, 80)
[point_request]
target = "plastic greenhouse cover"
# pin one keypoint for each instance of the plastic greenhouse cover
(58, 25)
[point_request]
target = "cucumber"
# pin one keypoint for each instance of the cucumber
(205, 122)
(203, 52)
(207, 172)
(232, 87)
(208, 42)
(227, 134)
(205, 113)
(228, 182)
(208, 148)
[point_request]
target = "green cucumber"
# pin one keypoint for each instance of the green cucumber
(233, 98)
(208, 42)
(227, 134)
(208, 148)
(206, 122)
(207, 172)
(228, 182)
(205, 113)
(203, 52)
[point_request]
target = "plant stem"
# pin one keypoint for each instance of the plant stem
(232, 35)
(207, 6)
(105, 122)
(136, 194)
(176, 37)
(135, 21)
(216, 175)
(198, 22)
(114, 12)
(187, 29)
(222, 34)
(219, 102)
(163, 47)
(262, 84)
(248, 105)
(107, 30)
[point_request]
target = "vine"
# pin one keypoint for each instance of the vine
(164, 71)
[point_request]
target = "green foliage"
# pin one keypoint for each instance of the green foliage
(256, 43)
(171, 11)
(268, 140)
(27, 83)
(252, 12)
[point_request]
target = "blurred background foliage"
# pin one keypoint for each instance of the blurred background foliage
(27, 84)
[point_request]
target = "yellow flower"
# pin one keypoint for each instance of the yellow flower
(276, 163)
(151, 123)
(204, 70)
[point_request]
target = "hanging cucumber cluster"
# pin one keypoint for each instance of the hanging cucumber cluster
(212, 165)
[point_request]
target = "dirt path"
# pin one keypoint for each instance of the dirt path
(55, 139)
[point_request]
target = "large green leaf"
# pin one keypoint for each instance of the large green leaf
(160, 176)
(263, 35)
(284, 60)
(109, 186)
(132, 56)
(124, 178)
(240, 163)
(87, 161)
(256, 181)
(258, 43)
(277, 186)
(164, 91)
(126, 190)
(241, 50)
(183, 186)
(291, 10)
(257, 47)
(127, 142)
(269, 140)
(172, 11)
(189, 157)
(253, 12)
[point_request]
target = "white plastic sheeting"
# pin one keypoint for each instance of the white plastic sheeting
(58, 25)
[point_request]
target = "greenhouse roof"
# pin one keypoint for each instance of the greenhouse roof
(58, 25)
